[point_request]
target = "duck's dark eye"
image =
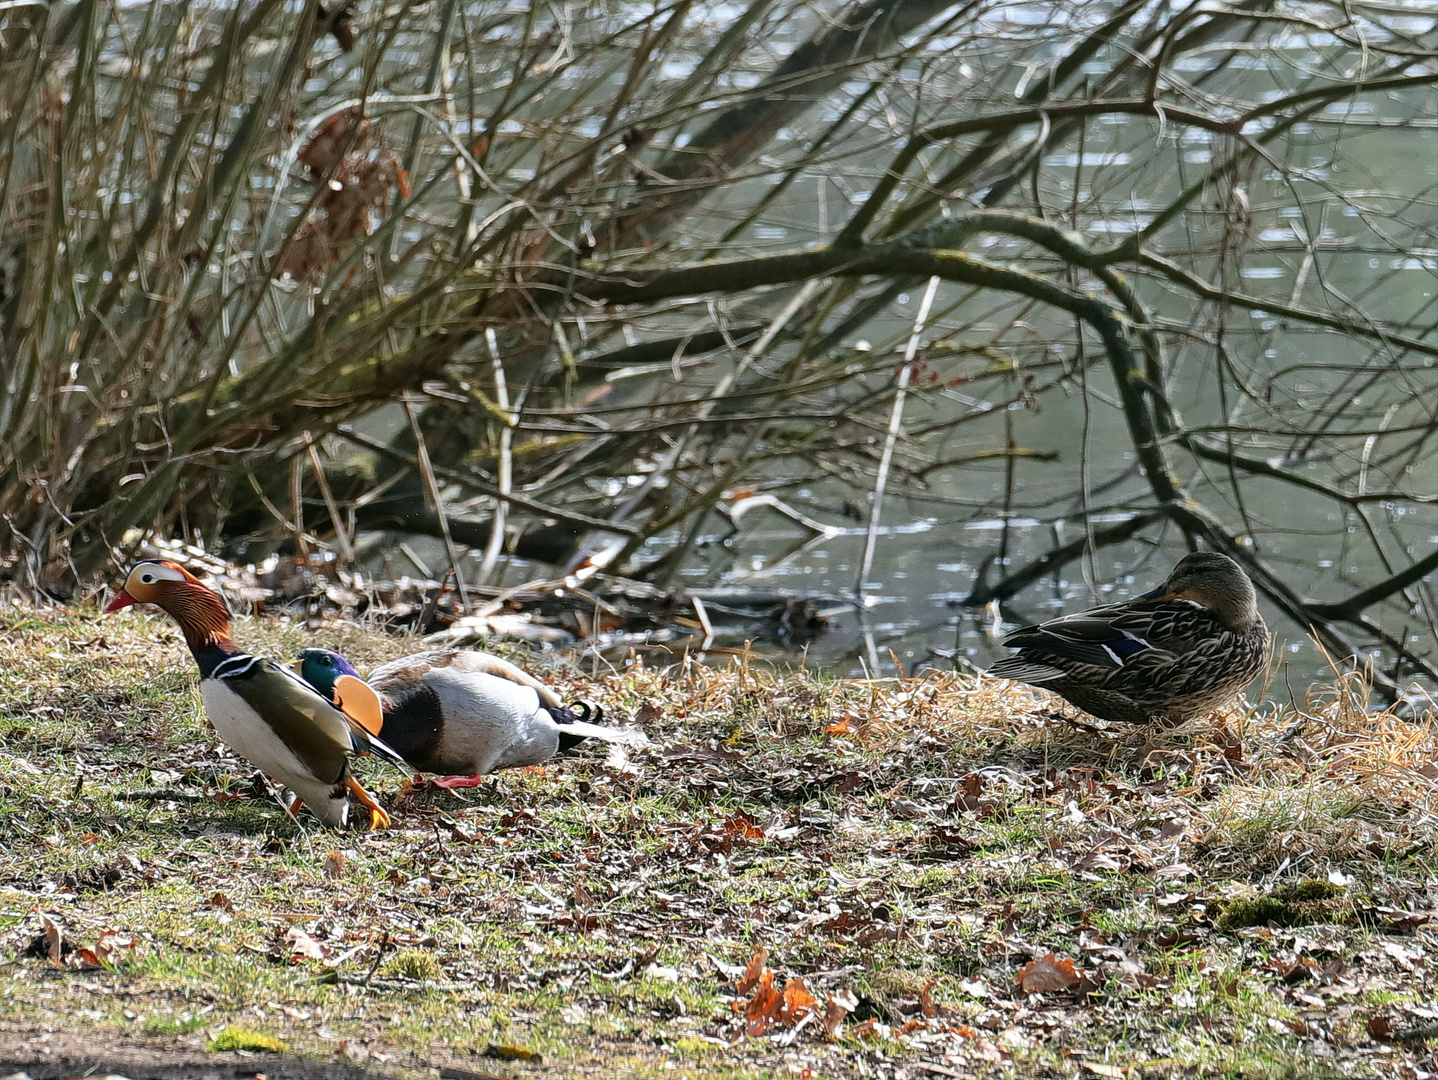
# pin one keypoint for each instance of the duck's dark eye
(146, 578)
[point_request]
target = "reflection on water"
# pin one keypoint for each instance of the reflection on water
(1308, 224)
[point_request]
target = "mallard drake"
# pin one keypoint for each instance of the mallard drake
(1163, 657)
(263, 710)
(458, 713)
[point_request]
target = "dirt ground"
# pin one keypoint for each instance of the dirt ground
(55, 1053)
(798, 878)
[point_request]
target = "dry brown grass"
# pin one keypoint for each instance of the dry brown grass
(1247, 895)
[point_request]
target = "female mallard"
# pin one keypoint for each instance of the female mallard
(1163, 657)
(458, 713)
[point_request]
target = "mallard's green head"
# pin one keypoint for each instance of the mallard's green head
(321, 667)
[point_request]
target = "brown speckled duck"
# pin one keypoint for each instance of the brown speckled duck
(1164, 657)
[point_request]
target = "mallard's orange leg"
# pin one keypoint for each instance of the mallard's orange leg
(378, 819)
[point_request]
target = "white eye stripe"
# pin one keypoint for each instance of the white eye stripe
(152, 574)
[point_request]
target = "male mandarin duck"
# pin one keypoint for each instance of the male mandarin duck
(1164, 657)
(458, 713)
(264, 711)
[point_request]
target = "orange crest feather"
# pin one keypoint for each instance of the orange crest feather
(357, 700)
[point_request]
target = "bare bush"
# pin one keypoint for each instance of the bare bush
(630, 260)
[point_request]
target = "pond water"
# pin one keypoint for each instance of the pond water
(1337, 217)
(937, 541)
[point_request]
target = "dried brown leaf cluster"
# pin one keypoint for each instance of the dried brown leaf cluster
(357, 185)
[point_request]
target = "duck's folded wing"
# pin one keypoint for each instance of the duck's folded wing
(314, 730)
(1106, 638)
(411, 670)
(489, 664)
(343, 727)
(366, 743)
(1024, 668)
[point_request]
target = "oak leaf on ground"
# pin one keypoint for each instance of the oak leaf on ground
(1047, 974)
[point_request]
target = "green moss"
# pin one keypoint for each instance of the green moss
(1299, 904)
(414, 964)
(181, 1024)
(509, 1052)
(237, 1038)
(1307, 890)
(692, 1046)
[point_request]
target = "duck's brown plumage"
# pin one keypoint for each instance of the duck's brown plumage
(1185, 648)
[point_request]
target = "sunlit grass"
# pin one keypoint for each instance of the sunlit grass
(899, 842)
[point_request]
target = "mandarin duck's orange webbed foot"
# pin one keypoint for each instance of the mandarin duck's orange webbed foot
(378, 819)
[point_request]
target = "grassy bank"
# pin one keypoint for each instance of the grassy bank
(927, 878)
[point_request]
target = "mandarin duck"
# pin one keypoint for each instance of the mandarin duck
(1164, 657)
(459, 713)
(263, 710)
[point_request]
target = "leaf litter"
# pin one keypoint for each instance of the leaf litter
(845, 877)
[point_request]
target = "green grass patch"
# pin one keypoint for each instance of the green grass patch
(1301, 903)
(255, 1042)
(884, 885)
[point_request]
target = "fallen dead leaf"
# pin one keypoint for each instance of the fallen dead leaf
(836, 1010)
(798, 1002)
(1047, 974)
(54, 939)
(752, 972)
(648, 713)
(1101, 1068)
(740, 827)
(763, 1007)
(926, 1003)
(109, 950)
(302, 946)
(866, 1029)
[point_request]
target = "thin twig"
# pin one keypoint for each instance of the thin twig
(703, 617)
(297, 507)
(896, 417)
(568, 517)
(431, 488)
(378, 956)
(506, 460)
(342, 538)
